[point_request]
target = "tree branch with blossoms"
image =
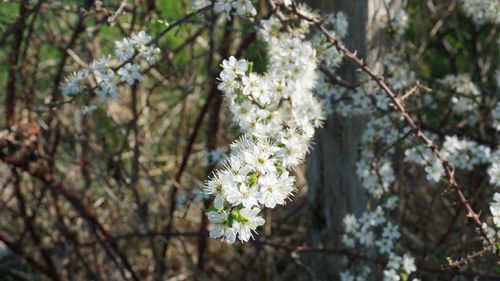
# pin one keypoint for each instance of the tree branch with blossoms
(447, 166)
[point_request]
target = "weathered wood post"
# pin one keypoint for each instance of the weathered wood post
(334, 188)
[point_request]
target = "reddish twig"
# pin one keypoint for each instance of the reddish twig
(382, 261)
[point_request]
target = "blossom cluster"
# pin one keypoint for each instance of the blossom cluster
(278, 114)
(397, 24)
(109, 70)
(495, 116)
(464, 154)
(215, 156)
(494, 169)
(373, 228)
(367, 98)
(482, 11)
(336, 24)
(495, 210)
(399, 74)
(356, 273)
(271, 110)
(466, 93)
(243, 8)
(379, 131)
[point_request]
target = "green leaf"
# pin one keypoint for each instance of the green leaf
(211, 209)
(444, 180)
(280, 144)
(250, 68)
(279, 168)
(238, 216)
(252, 180)
(230, 218)
(40, 111)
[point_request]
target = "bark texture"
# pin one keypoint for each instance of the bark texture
(334, 188)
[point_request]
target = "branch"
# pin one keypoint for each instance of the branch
(353, 255)
(40, 172)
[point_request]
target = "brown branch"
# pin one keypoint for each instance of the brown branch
(13, 73)
(212, 126)
(382, 261)
(15, 249)
(119, 11)
(30, 227)
(40, 172)
(148, 234)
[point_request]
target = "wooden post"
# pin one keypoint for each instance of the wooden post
(334, 188)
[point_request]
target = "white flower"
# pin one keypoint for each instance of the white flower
(400, 22)
(434, 171)
(245, 8)
(223, 6)
(261, 161)
(274, 189)
(140, 39)
(494, 174)
(347, 276)
(72, 83)
(228, 82)
(242, 194)
(129, 73)
(100, 65)
(150, 54)
(107, 91)
(198, 4)
(251, 84)
(124, 50)
(103, 72)
(235, 66)
(384, 245)
(215, 187)
(482, 11)
(391, 275)
(391, 231)
(250, 222)
(214, 156)
(391, 202)
(88, 109)
(350, 223)
(394, 261)
(365, 237)
(408, 264)
(495, 209)
(400, 75)
(495, 112)
(222, 228)
(348, 241)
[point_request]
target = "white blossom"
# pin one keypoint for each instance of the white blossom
(482, 11)
(129, 73)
